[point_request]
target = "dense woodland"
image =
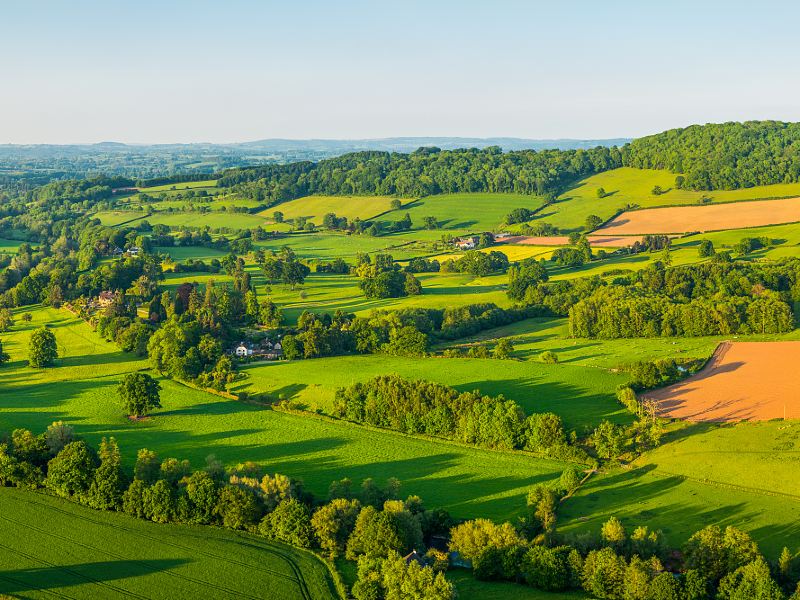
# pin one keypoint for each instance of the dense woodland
(722, 156)
(423, 173)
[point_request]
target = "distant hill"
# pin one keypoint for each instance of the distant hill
(26, 165)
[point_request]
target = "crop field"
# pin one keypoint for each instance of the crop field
(314, 208)
(743, 381)
(582, 396)
(51, 547)
(80, 390)
(627, 185)
(682, 219)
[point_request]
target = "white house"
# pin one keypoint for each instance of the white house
(243, 350)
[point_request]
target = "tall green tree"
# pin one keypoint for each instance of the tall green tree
(139, 393)
(42, 349)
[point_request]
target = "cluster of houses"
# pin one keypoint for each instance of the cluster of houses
(132, 251)
(265, 349)
(471, 241)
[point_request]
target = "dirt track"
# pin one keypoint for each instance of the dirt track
(743, 381)
(712, 217)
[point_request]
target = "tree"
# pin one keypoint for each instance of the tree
(715, 552)
(592, 222)
(752, 581)
(657, 190)
(600, 193)
(395, 204)
(431, 223)
(613, 534)
(548, 569)
(290, 522)
(71, 472)
(504, 349)
(237, 507)
(4, 357)
(705, 249)
(609, 439)
(42, 349)
(277, 216)
(473, 537)
(527, 274)
(604, 574)
(6, 320)
(57, 436)
(105, 492)
(334, 522)
(147, 467)
(139, 393)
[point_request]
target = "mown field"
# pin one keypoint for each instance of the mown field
(51, 547)
(194, 424)
(470, 588)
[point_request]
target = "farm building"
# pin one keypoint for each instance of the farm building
(266, 350)
(105, 299)
(467, 243)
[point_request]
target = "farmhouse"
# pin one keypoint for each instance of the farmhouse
(133, 251)
(467, 243)
(105, 299)
(266, 350)
(243, 350)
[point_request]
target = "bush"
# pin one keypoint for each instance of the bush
(549, 357)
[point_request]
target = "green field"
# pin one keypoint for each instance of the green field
(581, 395)
(51, 547)
(194, 424)
(534, 336)
(314, 208)
(627, 185)
(185, 185)
(214, 219)
(187, 252)
(9, 246)
(113, 218)
(470, 588)
(466, 212)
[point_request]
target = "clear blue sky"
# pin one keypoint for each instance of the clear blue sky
(236, 70)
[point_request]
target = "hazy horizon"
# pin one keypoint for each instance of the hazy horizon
(202, 72)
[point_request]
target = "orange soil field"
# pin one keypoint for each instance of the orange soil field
(683, 219)
(743, 381)
(562, 240)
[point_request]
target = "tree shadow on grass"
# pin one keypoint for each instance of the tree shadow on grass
(18, 581)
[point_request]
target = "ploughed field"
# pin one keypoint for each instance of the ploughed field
(683, 219)
(753, 381)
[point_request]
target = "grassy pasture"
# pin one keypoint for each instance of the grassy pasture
(212, 219)
(193, 252)
(112, 218)
(466, 212)
(534, 336)
(9, 246)
(115, 556)
(194, 424)
(185, 185)
(470, 588)
(327, 246)
(582, 396)
(314, 208)
(627, 185)
(744, 475)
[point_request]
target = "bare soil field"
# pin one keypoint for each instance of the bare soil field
(599, 241)
(683, 219)
(743, 381)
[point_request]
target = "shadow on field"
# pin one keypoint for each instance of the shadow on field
(17, 581)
